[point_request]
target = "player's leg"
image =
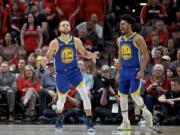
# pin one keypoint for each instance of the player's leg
(62, 89)
(77, 81)
(124, 90)
(87, 105)
(135, 94)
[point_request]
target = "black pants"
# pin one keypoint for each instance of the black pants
(9, 97)
(44, 99)
(168, 115)
(106, 115)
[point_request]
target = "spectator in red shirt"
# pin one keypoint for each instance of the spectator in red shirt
(14, 16)
(31, 35)
(29, 87)
(50, 25)
(89, 7)
(156, 85)
(161, 31)
(68, 9)
(153, 10)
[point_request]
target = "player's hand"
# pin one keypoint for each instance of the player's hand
(96, 55)
(117, 78)
(140, 75)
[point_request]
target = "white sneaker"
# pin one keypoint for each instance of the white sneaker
(125, 126)
(141, 123)
(148, 118)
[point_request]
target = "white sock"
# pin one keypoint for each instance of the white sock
(60, 103)
(125, 116)
(124, 106)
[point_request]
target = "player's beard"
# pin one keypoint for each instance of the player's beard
(123, 32)
(65, 32)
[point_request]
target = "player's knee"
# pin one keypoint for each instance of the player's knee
(124, 102)
(60, 102)
(83, 92)
(137, 99)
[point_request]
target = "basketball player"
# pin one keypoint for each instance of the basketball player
(132, 61)
(64, 50)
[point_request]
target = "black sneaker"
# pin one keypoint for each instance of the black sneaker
(90, 125)
(59, 121)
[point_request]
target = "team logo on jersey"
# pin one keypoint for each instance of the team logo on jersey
(67, 55)
(126, 52)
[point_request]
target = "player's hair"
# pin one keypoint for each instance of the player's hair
(63, 21)
(127, 17)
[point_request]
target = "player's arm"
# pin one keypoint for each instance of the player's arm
(143, 50)
(119, 55)
(51, 50)
(50, 53)
(86, 54)
(118, 62)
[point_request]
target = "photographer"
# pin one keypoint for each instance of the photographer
(169, 108)
(155, 86)
(109, 100)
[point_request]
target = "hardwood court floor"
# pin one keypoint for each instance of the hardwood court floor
(80, 130)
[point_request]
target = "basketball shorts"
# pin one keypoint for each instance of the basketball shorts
(66, 79)
(128, 84)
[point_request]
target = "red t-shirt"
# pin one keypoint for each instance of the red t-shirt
(88, 7)
(23, 83)
(31, 40)
(165, 85)
(7, 12)
(48, 4)
(67, 6)
(150, 12)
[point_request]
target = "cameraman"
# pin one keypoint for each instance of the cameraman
(169, 113)
(109, 99)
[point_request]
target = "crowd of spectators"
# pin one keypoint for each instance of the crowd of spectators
(28, 90)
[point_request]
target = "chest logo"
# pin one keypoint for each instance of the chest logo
(67, 55)
(126, 52)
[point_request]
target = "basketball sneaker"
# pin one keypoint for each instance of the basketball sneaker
(59, 121)
(90, 125)
(125, 126)
(148, 119)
